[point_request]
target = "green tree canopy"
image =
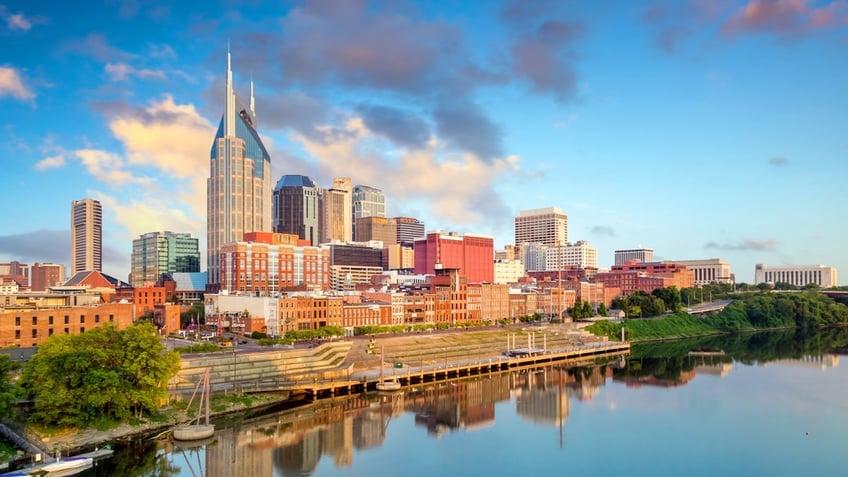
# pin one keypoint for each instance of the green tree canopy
(101, 375)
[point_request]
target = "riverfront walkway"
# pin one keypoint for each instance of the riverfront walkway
(353, 365)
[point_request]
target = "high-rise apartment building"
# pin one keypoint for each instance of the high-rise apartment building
(548, 226)
(239, 184)
(637, 254)
(46, 275)
(156, 253)
(297, 208)
(338, 212)
(86, 236)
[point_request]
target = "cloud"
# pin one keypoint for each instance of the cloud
(543, 49)
(96, 46)
(675, 22)
(786, 18)
(465, 126)
(11, 84)
(603, 230)
(458, 189)
(108, 167)
(402, 127)
(51, 162)
(38, 246)
(19, 22)
(778, 161)
(752, 245)
(122, 71)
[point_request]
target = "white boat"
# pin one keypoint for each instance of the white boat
(194, 430)
(67, 466)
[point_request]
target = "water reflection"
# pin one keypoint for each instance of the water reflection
(339, 431)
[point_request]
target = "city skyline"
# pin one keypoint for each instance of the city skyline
(698, 129)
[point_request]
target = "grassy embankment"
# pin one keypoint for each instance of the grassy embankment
(749, 312)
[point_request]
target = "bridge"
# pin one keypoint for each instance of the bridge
(704, 308)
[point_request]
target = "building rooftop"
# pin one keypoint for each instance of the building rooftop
(294, 180)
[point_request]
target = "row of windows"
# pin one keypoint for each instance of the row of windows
(49, 332)
(67, 319)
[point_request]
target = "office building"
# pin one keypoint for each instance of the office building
(376, 228)
(367, 202)
(472, 255)
(156, 253)
(637, 254)
(338, 213)
(711, 270)
(797, 275)
(408, 229)
(297, 208)
(547, 226)
(239, 185)
(580, 254)
(86, 236)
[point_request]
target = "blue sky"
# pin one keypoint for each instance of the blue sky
(699, 128)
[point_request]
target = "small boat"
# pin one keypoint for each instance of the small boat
(194, 430)
(67, 466)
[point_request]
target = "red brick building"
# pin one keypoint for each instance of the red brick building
(27, 326)
(472, 255)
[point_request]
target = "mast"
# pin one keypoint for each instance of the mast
(252, 101)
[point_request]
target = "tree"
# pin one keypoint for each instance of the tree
(602, 310)
(9, 391)
(670, 296)
(101, 375)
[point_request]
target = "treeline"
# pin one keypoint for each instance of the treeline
(749, 311)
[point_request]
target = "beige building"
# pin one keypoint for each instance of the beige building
(711, 270)
(548, 226)
(338, 212)
(508, 271)
(86, 236)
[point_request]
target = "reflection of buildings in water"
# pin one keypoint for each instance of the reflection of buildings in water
(588, 386)
(714, 369)
(822, 362)
(638, 381)
(293, 442)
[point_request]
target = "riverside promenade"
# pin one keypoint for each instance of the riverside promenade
(354, 365)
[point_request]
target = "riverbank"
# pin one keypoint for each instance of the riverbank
(406, 349)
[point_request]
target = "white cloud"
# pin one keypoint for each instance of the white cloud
(108, 167)
(11, 84)
(51, 162)
(17, 21)
(123, 71)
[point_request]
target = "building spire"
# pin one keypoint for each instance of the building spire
(252, 101)
(230, 104)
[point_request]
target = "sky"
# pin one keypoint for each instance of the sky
(699, 128)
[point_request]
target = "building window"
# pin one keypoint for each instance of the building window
(97, 318)
(50, 320)
(17, 321)
(66, 331)
(67, 319)
(82, 329)
(111, 317)
(82, 319)
(35, 333)
(17, 334)
(50, 332)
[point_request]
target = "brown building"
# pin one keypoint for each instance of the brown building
(376, 228)
(46, 275)
(30, 326)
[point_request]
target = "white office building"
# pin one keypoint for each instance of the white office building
(580, 254)
(798, 275)
(638, 254)
(711, 270)
(508, 271)
(548, 226)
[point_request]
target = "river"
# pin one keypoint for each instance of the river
(769, 404)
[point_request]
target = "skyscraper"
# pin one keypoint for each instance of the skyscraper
(338, 211)
(547, 226)
(239, 184)
(367, 202)
(409, 229)
(297, 208)
(86, 236)
(156, 253)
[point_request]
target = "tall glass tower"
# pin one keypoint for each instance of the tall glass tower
(367, 202)
(238, 191)
(297, 208)
(156, 253)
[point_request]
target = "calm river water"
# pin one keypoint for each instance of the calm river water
(755, 405)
